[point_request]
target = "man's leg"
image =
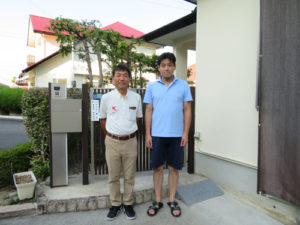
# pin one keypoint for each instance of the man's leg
(129, 156)
(173, 183)
(158, 179)
(113, 160)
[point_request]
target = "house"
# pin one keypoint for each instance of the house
(45, 64)
(192, 75)
(247, 117)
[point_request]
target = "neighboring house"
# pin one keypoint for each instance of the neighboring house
(244, 118)
(192, 78)
(45, 64)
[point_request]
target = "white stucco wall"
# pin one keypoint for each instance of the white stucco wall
(227, 49)
(57, 67)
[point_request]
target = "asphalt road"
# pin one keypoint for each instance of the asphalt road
(12, 132)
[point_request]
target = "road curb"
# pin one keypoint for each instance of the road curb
(18, 210)
(19, 118)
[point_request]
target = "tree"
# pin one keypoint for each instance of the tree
(116, 48)
(86, 38)
(96, 39)
(68, 32)
(140, 62)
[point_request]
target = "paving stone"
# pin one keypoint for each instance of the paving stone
(148, 195)
(165, 191)
(71, 205)
(42, 205)
(82, 204)
(61, 206)
(108, 203)
(51, 206)
(139, 197)
(92, 203)
(102, 202)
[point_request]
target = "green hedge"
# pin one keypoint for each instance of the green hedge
(10, 100)
(35, 109)
(15, 160)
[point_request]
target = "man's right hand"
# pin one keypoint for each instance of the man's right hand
(148, 141)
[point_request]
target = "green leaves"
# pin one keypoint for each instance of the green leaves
(15, 160)
(10, 99)
(86, 39)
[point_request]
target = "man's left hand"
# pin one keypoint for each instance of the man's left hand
(184, 140)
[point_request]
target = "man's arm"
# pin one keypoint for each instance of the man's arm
(103, 124)
(148, 119)
(187, 116)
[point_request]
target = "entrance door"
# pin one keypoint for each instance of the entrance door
(279, 132)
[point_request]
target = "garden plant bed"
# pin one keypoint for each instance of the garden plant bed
(23, 179)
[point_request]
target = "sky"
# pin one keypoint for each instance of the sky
(143, 15)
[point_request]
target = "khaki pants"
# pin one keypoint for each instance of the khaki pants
(121, 156)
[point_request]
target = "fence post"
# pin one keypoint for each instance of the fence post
(85, 135)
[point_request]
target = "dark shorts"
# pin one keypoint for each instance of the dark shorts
(166, 149)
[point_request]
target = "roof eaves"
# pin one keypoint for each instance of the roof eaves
(173, 26)
(39, 62)
(192, 1)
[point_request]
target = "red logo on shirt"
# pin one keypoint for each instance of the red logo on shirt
(114, 108)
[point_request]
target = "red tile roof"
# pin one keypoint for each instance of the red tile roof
(40, 24)
(124, 30)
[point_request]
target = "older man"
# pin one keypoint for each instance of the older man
(119, 112)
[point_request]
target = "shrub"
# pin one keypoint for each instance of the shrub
(15, 160)
(11, 99)
(35, 111)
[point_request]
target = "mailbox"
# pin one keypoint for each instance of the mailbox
(65, 117)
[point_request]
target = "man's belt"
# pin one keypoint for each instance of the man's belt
(121, 138)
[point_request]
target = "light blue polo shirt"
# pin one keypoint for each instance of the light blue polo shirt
(167, 101)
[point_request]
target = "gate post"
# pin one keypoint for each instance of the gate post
(85, 135)
(191, 142)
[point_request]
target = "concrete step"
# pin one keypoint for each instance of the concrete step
(18, 210)
(77, 197)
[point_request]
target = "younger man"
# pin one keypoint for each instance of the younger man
(167, 121)
(119, 112)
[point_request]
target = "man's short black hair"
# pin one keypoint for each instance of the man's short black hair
(166, 55)
(121, 67)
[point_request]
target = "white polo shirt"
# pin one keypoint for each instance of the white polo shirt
(121, 112)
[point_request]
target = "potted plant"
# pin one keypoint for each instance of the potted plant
(25, 184)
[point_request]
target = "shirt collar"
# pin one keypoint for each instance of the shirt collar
(117, 93)
(174, 80)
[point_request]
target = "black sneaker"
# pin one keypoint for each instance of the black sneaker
(113, 212)
(129, 212)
